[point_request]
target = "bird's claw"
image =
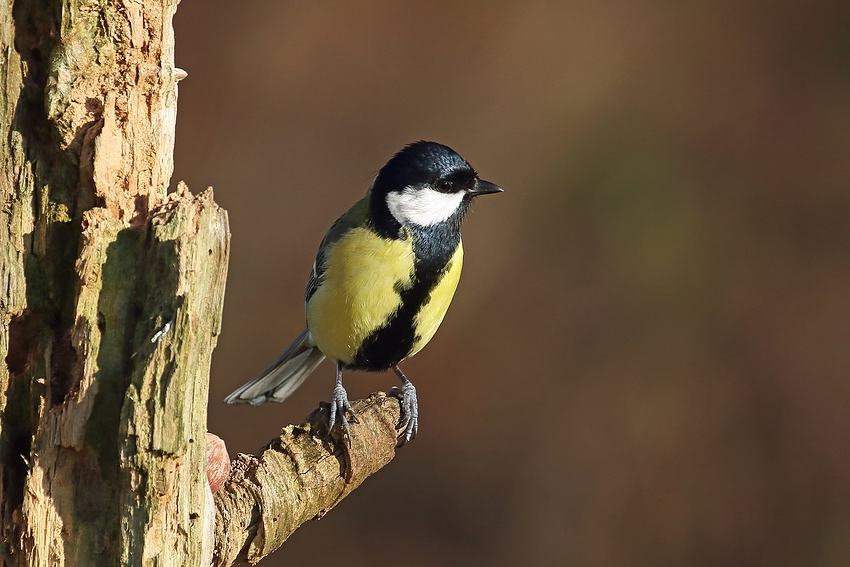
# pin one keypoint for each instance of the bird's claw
(339, 406)
(409, 423)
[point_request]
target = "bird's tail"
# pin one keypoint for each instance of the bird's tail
(278, 381)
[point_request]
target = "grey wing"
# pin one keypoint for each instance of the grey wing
(312, 283)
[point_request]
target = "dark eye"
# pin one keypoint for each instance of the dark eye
(444, 186)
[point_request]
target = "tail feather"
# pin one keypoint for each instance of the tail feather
(282, 378)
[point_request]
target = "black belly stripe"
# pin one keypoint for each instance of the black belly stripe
(391, 343)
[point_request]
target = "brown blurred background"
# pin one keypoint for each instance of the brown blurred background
(648, 359)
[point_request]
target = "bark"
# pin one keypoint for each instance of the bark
(298, 477)
(111, 292)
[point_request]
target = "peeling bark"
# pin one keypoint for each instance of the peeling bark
(101, 428)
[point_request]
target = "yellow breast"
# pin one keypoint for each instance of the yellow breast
(358, 291)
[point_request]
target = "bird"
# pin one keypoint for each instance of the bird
(384, 276)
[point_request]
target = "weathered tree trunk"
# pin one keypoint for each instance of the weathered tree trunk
(111, 292)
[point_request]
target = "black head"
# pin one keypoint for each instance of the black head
(425, 184)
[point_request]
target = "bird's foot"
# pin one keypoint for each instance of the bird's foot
(339, 407)
(409, 422)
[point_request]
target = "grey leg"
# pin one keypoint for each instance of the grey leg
(409, 408)
(340, 405)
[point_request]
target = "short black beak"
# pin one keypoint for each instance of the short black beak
(485, 187)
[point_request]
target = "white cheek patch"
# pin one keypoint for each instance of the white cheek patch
(422, 205)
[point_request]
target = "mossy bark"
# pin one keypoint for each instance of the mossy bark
(110, 292)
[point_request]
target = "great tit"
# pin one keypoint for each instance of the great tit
(382, 281)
